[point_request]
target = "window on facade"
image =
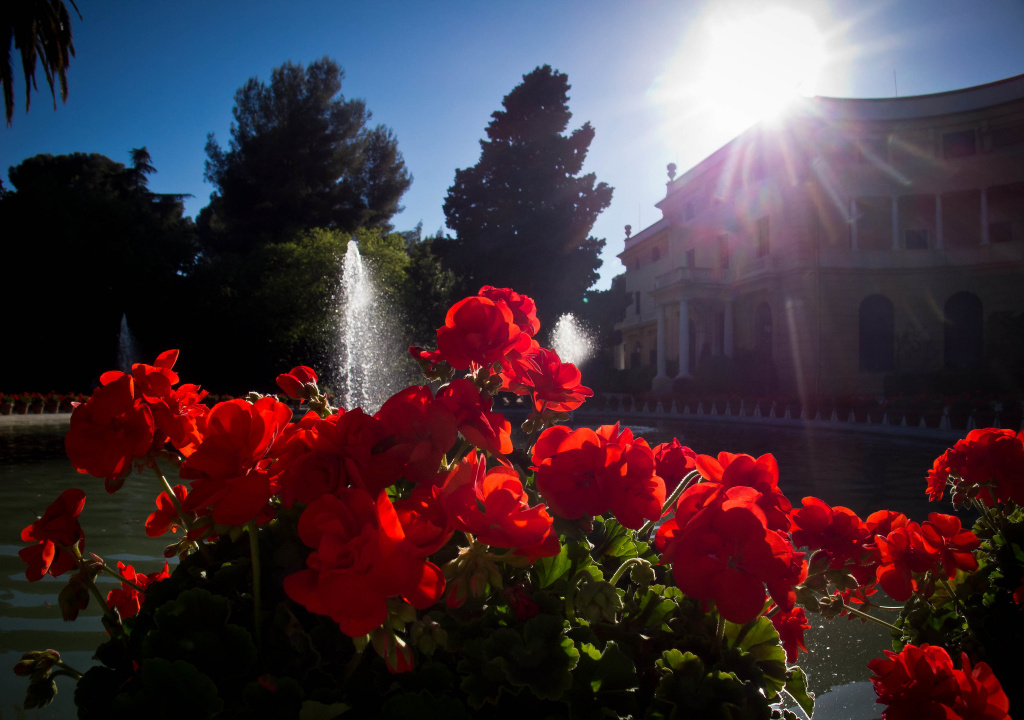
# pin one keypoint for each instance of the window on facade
(915, 239)
(959, 144)
(877, 334)
(964, 332)
(636, 356)
(655, 254)
(1000, 231)
(636, 302)
(690, 212)
(723, 251)
(762, 244)
(636, 264)
(691, 258)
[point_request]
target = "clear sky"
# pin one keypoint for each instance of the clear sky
(660, 81)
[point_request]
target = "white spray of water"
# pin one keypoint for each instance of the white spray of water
(363, 334)
(127, 351)
(571, 340)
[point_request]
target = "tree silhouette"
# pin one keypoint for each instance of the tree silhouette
(522, 215)
(300, 156)
(39, 30)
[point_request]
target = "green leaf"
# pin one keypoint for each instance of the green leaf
(313, 710)
(609, 671)
(760, 640)
(552, 568)
(656, 605)
(796, 686)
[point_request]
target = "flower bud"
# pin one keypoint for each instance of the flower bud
(74, 597)
(598, 601)
(642, 573)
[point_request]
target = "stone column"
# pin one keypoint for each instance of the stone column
(895, 222)
(938, 221)
(684, 339)
(661, 342)
(853, 224)
(984, 217)
(727, 329)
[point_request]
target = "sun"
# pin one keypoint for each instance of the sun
(737, 67)
(757, 63)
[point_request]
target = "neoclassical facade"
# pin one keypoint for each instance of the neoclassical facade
(847, 240)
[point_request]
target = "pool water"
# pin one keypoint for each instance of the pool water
(862, 472)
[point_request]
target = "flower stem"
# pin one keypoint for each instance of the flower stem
(111, 571)
(254, 551)
(174, 498)
(71, 672)
(861, 613)
(623, 567)
(670, 500)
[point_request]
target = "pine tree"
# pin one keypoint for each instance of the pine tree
(523, 214)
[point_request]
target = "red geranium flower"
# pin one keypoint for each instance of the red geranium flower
(294, 382)
(674, 461)
(57, 528)
(761, 474)
(126, 598)
(422, 430)
(478, 331)
(493, 506)
(903, 553)
(954, 545)
(166, 516)
(835, 530)
(981, 695)
(108, 430)
(360, 558)
(989, 457)
(230, 470)
(524, 309)
(725, 552)
(555, 385)
(583, 473)
(919, 683)
(486, 430)
(791, 626)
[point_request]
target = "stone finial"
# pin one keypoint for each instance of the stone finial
(629, 231)
(671, 172)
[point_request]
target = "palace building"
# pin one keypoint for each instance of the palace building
(850, 239)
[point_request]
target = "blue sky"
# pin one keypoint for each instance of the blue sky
(163, 74)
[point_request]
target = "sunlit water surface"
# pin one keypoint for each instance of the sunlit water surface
(864, 473)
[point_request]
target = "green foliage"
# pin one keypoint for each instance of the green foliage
(300, 156)
(102, 245)
(523, 214)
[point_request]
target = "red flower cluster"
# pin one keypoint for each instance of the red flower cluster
(128, 415)
(722, 547)
(55, 533)
(361, 558)
(921, 682)
(987, 464)
(231, 469)
(790, 626)
(497, 327)
(583, 473)
(673, 462)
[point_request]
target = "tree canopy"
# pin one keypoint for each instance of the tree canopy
(39, 30)
(85, 239)
(523, 214)
(300, 156)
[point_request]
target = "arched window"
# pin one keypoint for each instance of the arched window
(690, 212)
(964, 336)
(877, 334)
(763, 330)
